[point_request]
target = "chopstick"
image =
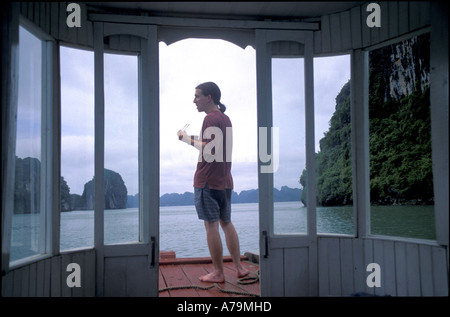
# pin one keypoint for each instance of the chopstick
(185, 127)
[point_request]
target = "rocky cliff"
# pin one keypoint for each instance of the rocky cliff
(27, 186)
(115, 192)
(404, 67)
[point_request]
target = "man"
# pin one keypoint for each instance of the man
(213, 182)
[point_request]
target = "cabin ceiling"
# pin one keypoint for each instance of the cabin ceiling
(296, 11)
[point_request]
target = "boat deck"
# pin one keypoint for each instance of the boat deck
(180, 278)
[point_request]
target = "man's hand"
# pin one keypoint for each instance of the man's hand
(183, 136)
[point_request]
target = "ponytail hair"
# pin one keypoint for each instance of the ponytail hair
(210, 88)
(222, 107)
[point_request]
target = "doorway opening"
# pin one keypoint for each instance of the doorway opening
(184, 65)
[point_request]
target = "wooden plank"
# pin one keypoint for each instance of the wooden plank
(425, 272)
(388, 269)
(317, 42)
(174, 276)
(89, 274)
(32, 284)
(425, 12)
(254, 271)
(325, 33)
(47, 277)
(16, 282)
(36, 13)
(84, 32)
(40, 276)
(359, 278)
(66, 291)
(62, 25)
(323, 267)
(253, 288)
(296, 267)
(230, 280)
(334, 267)
(89, 33)
(384, 29)
(392, 14)
(188, 275)
(414, 15)
(335, 32)
(194, 260)
(115, 279)
(375, 34)
(378, 257)
(412, 269)
(347, 266)
(45, 13)
(55, 276)
(403, 19)
(366, 31)
(204, 23)
(80, 259)
(346, 32)
(54, 19)
(193, 272)
(137, 276)
(24, 280)
(368, 258)
(7, 284)
(30, 10)
(161, 285)
(400, 271)
(440, 273)
(229, 276)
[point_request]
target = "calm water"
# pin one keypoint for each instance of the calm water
(182, 232)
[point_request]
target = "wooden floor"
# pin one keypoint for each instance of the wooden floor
(185, 273)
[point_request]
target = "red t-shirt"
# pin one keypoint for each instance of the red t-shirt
(216, 172)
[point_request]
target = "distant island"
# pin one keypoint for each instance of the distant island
(27, 189)
(246, 196)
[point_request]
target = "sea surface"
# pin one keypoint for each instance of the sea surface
(181, 231)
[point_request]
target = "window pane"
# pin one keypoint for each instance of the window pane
(332, 117)
(26, 234)
(401, 180)
(77, 148)
(290, 214)
(121, 149)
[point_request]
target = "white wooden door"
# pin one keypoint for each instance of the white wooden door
(287, 258)
(129, 268)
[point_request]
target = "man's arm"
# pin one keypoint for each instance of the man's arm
(191, 140)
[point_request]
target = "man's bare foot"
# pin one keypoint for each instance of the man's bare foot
(212, 277)
(242, 271)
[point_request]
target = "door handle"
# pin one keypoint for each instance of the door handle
(266, 244)
(153, 252)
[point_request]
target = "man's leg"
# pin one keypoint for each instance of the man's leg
(216, 251)
(232, 240)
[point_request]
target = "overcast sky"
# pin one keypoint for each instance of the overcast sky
(183, 65)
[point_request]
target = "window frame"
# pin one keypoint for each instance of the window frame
(50, 149)
(362, 58)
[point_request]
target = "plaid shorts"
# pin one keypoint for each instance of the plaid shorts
(212, 204)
